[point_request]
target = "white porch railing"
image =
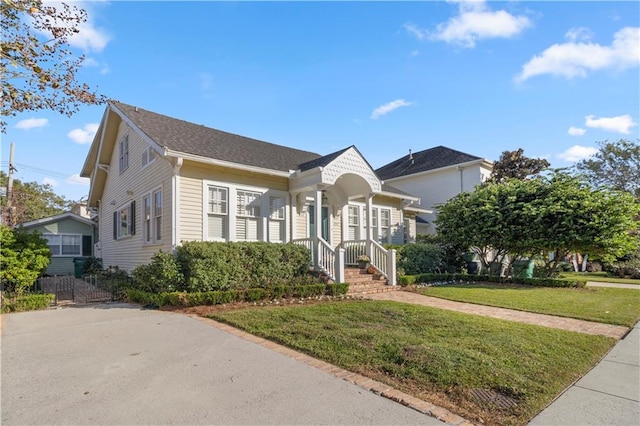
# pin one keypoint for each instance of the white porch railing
(384, 260)
(324, 257)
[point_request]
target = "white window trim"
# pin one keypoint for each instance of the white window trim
(125, 206)
(362, 226)
(232, 189)
(66, 235)
(149, 156)
(153, 240)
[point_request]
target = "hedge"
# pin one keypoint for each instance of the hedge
(452, 278)
(218, 297)
(209, 266)
(27, 302)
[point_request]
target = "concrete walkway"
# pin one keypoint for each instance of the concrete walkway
(613, 285)
(607, 395)
(569, 324)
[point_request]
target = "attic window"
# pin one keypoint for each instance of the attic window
(123, 153)
(148, 156)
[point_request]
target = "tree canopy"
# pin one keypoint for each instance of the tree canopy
(32, 201)
(37, 66)
(24, 257)
(554, 214)
(616, 164)
(515, 165)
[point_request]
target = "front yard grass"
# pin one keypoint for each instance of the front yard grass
(607, 305)
(436, 355)
(602, 277)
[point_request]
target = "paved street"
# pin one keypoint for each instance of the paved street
(118, 364)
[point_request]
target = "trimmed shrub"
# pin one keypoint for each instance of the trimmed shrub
(27, 302)
(337, 289)
(458, 278)
(161, 275)
(209, 266)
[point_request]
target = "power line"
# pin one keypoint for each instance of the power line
(72, 178)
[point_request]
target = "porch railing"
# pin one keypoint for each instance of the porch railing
(324, 257)
(353, 249)
(382, 259)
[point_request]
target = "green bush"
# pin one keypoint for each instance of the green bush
(24, 257)
(453, 278)
(27, 302)
(337, 289)
(161, 275)
(92, 265)
(209, 266)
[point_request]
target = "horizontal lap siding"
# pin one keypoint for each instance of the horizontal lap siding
(60, 266)
(192, 176)
(130, 252)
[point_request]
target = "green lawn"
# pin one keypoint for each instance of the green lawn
(608, 305)
(602, 277)
(433, 354)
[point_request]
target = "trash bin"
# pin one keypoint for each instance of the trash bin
(78, 267)
(523, 268)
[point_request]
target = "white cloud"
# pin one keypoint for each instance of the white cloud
(89, 37)
(31, 123)
(77, 180)
(575, 59)
(85, 134)
(577, 153)
(475, 21)
(576, 131)
(49, 181)
(387, 108)
(91, 62)
(579, 34)
(415, 53)
(620, 124)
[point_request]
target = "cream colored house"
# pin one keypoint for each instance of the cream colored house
(435, 175)
(157, 181)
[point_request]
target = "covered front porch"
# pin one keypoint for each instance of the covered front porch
(356, 215)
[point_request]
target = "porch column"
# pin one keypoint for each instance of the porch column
(391, 268)
(340, 266)
(317, 213)
(369, 229)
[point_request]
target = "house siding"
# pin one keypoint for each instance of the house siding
(192, 177)
(132, 185)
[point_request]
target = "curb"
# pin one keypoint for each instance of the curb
(359, 380)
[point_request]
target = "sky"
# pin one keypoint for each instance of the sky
(553, 78)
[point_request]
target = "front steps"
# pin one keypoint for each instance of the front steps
(361, 283)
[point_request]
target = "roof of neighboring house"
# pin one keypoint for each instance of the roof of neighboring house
(429, 159)
(183, 136)
(55, 218)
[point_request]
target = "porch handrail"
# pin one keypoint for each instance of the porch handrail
(353, 249)
(326, 258)
(379, 256)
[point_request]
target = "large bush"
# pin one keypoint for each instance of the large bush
(162, 274)
(210, 266)
(24, 256)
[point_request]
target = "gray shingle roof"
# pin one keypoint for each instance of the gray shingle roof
(429, 159)
(322, 161)
(183, 136)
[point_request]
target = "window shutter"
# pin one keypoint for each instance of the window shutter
(86, 245)
(132, 218)
(115, 225)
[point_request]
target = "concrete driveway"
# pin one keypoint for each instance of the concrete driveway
(119, 364)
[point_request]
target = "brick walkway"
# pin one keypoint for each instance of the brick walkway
(580, 326)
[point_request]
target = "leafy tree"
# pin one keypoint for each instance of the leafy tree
(556, 214)
(32, 201)
(24, 257)
(36, 73)
(515, 165)
(616, 164)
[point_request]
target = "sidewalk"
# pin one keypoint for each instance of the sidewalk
(570, 324)
(607, 395)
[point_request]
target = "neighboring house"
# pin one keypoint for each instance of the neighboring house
(157, 181)
(435, 175)
(69, 235)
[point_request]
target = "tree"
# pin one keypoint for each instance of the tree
(31, 201)
(616, 164)
(36, 73)
(24, 257)
(515, 165)
(530, 218)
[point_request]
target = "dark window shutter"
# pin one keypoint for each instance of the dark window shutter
(87, 245)
(115, 225)
(132, 215)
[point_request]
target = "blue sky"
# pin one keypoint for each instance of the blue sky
(552, 78)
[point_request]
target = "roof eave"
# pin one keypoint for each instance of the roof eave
(228, 164)
(480, 161)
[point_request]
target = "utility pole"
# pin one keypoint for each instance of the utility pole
(10, 186)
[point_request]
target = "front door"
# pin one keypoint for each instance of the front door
(324, 220)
